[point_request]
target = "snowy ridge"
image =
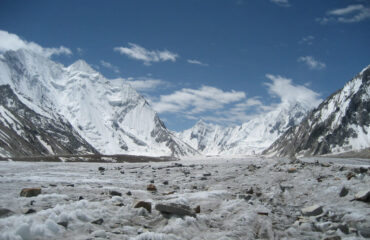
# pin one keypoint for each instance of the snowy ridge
(340, 124)
(249, 138)
(109, 114)
(23, 132)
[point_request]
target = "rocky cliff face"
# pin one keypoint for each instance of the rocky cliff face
(340, 124)
(23, 132)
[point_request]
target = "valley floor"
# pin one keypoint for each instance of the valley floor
(239, 198)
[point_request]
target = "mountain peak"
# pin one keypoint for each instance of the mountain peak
(81, 65)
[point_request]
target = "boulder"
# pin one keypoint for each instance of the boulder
(175, 209)
(151, 188)
(143, 204)
(115, 193)
(98, 221)
(5, 212)
(63, 223)
(292, 170)
(312, 210)
(30, 192)
(363, 196)
(343, 192)
(197, 209)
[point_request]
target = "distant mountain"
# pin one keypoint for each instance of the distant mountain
(107, 114)
(251, 137)
(340, 124)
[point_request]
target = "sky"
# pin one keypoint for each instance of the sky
(223, 61)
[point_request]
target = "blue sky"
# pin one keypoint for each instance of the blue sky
(220, 60)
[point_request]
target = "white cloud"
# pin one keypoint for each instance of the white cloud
(312, 63)
(137, 52)
(194, 101)
(233, 107)
(9, 41)
(350, 14)
(145, 84)
(287, 92)
(194, 61)
(307, 40)
(109, 66)
(282, 3)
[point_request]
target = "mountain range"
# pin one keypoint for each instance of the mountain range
(339, 124)
(47, 108)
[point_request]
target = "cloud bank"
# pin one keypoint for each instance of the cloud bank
(9, 41)
(233, 107)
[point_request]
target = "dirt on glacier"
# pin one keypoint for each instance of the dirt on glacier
(227, 198)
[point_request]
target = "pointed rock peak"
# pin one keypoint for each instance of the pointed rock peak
(365, 69)
(201, 122)
(81, 65)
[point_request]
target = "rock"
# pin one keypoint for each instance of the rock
(5, 212)
(165, 182)
(332, 238)
(364, 231)
(98, 221)
(249, 190)
(203, 178)
(206, 174)
(122, 172)
(197, 209)
(360, 170)
(30, 192)
(245, 197)
(175, 209)
(143, 204)
(115, 193)
(151, 188)
(80, 198)
(151, 181)
(350, 175)
(70, 185)
(343, 192)
(29, 211)
(284, 187)
(325, 164)
(292, 170)
(312, 210)
(363, 196)
(64, 224)
(101, 169)
(129, 193)
(52, 185)
(344, 228)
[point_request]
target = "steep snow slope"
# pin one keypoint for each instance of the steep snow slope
(340, 124)
(109, 114)
(249, 138)
(24, 132)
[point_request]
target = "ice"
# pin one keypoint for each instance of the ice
(271, 211)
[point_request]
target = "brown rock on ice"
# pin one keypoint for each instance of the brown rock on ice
(30, 192)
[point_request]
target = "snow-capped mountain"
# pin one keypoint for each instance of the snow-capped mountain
(340, 124)
(109, 114)
(24, 132)
(249, 138)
